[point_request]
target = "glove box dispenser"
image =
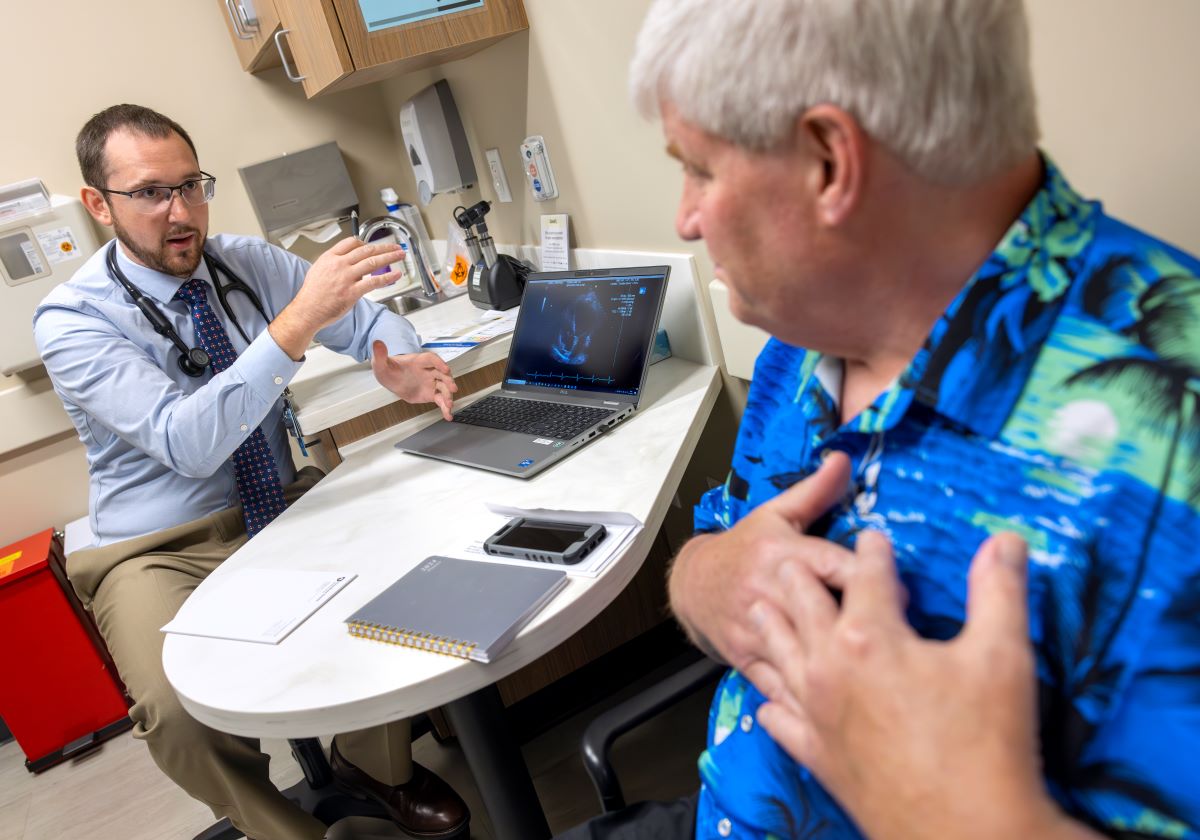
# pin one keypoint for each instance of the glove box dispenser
(43, 239)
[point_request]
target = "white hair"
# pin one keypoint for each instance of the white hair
(945, 85)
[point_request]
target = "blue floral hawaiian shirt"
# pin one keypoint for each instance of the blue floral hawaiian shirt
(1058, 397)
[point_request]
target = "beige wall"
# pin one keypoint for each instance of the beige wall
(176, 58)
(1117, 82)
(566, 80)
(1119, 100)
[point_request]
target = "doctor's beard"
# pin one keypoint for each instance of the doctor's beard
(164, 258)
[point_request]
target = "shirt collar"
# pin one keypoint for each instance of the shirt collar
(973, 365)
(155, 284)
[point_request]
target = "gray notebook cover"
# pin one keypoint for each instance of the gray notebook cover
(467, 608)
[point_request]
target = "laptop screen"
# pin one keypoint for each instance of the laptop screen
(587, 333)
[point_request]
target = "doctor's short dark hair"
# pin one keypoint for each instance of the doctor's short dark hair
(89, 145)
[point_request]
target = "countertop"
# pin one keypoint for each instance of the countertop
(382, 511)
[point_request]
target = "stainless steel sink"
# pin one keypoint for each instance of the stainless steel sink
(412, 301)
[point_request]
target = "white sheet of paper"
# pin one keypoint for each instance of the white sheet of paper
(464, 337)
(555, 237)
(256, 605)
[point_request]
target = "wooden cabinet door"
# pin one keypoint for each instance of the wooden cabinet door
(399, 49)
(252, 25)
(314, 37)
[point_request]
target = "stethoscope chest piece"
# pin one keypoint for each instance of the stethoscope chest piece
(194, 361)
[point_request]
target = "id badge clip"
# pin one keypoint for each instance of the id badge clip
(292, 423)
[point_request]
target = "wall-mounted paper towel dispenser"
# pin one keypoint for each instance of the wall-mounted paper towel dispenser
(298, 189)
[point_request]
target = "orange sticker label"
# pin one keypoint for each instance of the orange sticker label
(458, 274)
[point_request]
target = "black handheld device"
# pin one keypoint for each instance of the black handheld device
(544, 540)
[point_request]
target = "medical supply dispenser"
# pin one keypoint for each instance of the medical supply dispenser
(435, 142)
(43, 239)
(60, 694)
(299, 189)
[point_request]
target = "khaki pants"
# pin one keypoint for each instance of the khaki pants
(136, 586)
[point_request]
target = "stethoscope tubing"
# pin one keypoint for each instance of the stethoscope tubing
(193, 366)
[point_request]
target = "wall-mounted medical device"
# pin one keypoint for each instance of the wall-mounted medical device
(497, 281)
(436, 143)
(43, 239)
(538, 173)
(299, 189)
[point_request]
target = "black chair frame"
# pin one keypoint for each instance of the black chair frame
(610, 725)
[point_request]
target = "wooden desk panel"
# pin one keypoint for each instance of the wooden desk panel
(333, 439)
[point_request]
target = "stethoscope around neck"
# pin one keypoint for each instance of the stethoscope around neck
(192, 360)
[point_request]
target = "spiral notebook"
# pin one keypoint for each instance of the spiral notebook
(467, 608)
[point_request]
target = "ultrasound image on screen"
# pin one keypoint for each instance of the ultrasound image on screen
(586, 334)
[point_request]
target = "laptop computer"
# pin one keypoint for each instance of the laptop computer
(576, 368)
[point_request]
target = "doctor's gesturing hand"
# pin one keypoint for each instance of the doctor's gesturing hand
(915, 738)
(717, 577)
(415, 378)
(334, 283)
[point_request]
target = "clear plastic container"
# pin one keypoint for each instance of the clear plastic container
(407, 275)
(411, 217)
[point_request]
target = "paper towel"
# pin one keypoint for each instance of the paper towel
(320, 231)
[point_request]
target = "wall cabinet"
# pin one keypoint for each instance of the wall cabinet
(252, 25)
(326, 45)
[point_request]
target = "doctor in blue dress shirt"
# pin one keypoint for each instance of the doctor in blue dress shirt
(173, 455)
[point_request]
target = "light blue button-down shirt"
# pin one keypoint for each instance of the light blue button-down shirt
(158, 441)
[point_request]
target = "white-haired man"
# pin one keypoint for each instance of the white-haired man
(991, 366)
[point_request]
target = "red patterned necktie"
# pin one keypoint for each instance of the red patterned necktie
(253, 465)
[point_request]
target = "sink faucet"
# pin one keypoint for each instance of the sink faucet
(371, 226)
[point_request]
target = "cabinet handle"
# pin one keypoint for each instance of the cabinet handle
(236, 19)
(282, 57)
(248, 15)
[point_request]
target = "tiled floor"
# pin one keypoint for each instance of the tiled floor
(116, 793)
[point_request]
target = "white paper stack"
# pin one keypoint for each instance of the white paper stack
(256, 605)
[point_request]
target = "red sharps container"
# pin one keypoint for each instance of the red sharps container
(60, 695)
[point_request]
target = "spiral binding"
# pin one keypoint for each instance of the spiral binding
(412, 639)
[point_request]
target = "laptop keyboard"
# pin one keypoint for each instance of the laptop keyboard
(531, 417)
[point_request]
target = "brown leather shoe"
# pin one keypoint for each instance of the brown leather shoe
(424, 806)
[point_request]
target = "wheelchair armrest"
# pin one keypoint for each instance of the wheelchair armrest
(602, 732)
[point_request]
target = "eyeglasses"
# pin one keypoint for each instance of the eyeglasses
(155, 198)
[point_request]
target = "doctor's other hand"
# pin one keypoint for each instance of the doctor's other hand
(915, 738)
(415, 377)
(334, 283)
(717, 577)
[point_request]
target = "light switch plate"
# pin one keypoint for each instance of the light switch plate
(499, 179)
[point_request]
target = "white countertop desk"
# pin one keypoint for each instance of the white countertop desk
(378, 514)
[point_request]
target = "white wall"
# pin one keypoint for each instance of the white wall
(1117, 82)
